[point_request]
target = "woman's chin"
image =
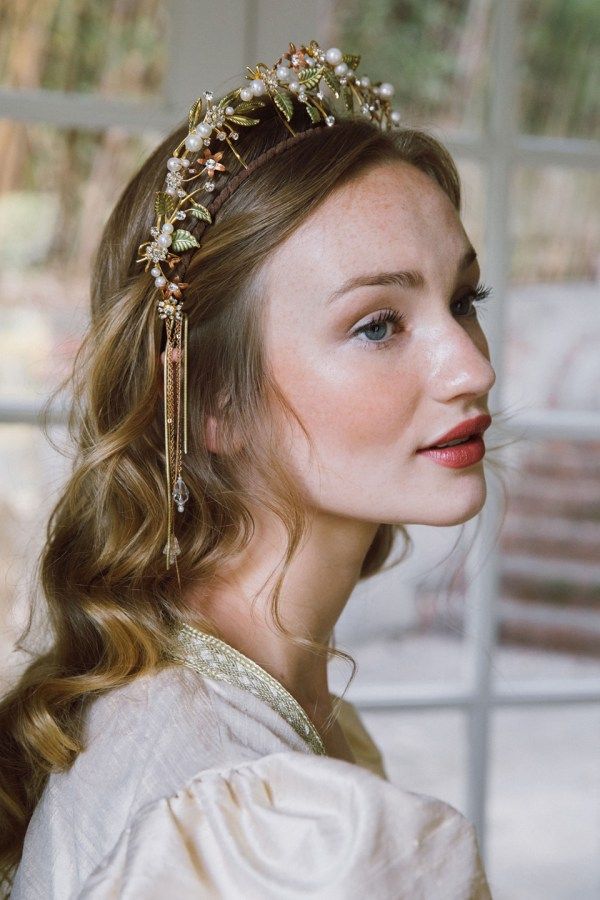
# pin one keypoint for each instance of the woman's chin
(451, 505)
(460, 508)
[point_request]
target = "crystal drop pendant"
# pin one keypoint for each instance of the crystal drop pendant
(180, 494)
(175, 550)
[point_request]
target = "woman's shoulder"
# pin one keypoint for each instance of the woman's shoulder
(142, 741)
(293, 825)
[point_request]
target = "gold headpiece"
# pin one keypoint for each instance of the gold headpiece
(300, 72)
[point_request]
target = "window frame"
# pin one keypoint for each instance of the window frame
(235, 38)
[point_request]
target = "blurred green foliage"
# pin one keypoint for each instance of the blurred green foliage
(437, 55)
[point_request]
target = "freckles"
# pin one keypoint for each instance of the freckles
(346, 410)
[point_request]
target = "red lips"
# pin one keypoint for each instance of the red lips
(464, 430)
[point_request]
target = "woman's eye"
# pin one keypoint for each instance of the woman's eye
(377, 332)
(478, 295)
(377, 329)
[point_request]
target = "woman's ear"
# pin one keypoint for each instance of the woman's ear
(211, 428)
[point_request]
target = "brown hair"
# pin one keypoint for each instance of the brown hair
(110, 601)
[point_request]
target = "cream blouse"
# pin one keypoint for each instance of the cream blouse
(206, 779)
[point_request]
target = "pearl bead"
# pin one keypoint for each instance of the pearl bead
(333, 56)
(167, 228)
(341, 69)
(155, 272)
(350, 74)
(204, 129)
(160, 281)
(294, 86)
(257, 87)
(171, 192)
(164, 240)
(193, 142)
(173, 164)
(185, 162)
(172, 286)
(365, 81)
(246, 94)
(386, 90)
(283, 73)
(396, 116)
(229, 110)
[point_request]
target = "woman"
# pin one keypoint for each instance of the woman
(179, 736)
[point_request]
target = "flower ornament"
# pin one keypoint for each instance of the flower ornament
(170, 309)
(304, 76)
(211, 164)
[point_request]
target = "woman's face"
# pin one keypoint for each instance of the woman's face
(371, 394)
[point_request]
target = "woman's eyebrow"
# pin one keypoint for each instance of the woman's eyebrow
(407, 279)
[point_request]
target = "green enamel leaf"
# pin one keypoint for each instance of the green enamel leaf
(283, 103)
(315, 115)
(200, 212)
(164, 204)
(351, 60)
(310, 78)
(242, 120)
(195, 113)
(348, 98)
(333, 82)
(183, 240)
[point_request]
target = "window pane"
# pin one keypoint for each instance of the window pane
(543, 816)
(559, 69)
(401, 626)
(436, 55)
(423, 751)
(114, 49)
(553, 311)
(549, 609)
(473, 205)
(31, 474)
(66, 182)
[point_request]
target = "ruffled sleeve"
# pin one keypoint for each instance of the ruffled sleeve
(293, 825)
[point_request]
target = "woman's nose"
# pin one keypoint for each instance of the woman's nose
(460, 364)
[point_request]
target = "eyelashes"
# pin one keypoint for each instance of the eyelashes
(478, 294)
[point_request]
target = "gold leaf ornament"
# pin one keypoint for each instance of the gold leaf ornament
(183, 240)
(333, 82)
(352, 60)
(242, 120)
(313, 112)
(227, 100)
(164, 204)
(248, 106)
(200, 212)
(310, 77)
(195, 113)
(284, 104)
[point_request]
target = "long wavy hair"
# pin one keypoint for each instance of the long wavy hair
(110, 602)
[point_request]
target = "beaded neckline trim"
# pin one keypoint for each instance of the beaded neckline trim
(214, 658)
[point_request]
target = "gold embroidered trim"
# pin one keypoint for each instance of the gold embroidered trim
(212, 657)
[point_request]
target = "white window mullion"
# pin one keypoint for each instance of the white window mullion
(483, 565)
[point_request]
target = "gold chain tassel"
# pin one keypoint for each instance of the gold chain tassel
(175, 416)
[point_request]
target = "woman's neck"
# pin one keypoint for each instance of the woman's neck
(318, 582)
